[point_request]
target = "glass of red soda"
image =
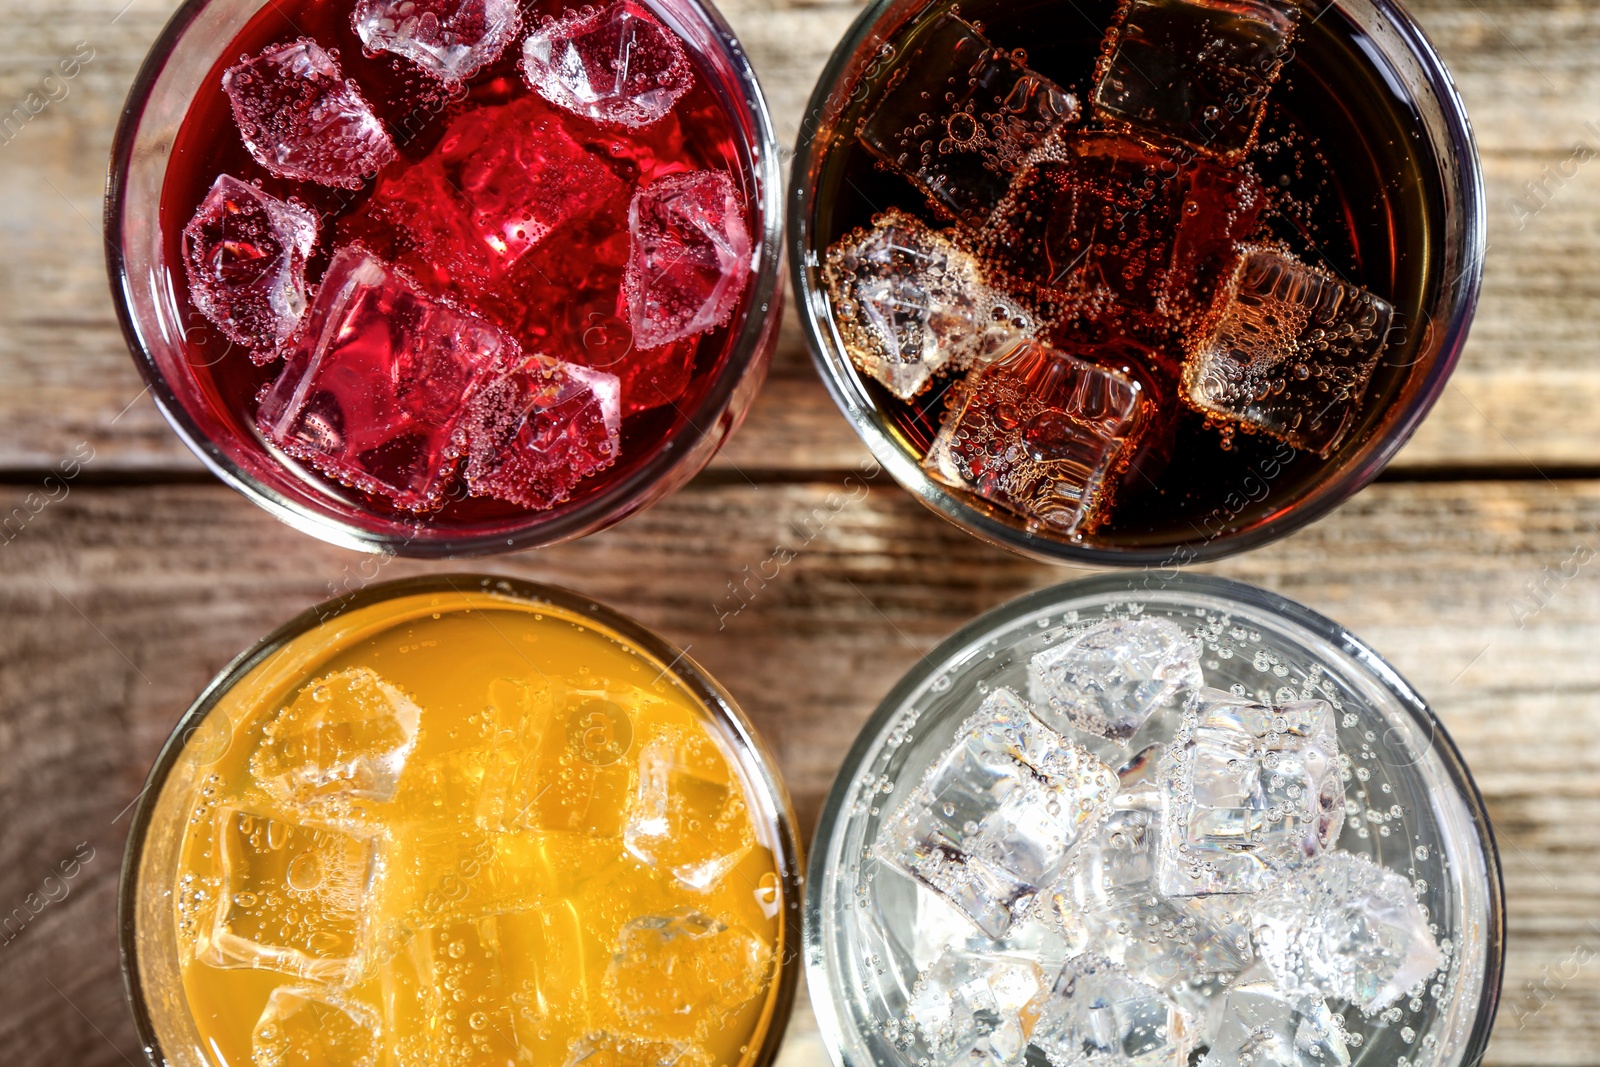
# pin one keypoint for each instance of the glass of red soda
(447, 277)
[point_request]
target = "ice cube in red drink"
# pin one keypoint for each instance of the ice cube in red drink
(500, 180)
(450, 39)
(1041, 433)
(301, 119)
(245, 254)
(689, 257)
(617, 64)
(537, 431)
(374, 390)
(1222, 208)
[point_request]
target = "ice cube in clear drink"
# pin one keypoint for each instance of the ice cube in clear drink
(1249, 791)
(534, 433)
(1097, 1015)
(1255, 1024)
(301, 119)
(1110, 899)
(909, 303)
(450, 39)
(972, 1009)
(1109, 679)
(245, 255)
(689, 258)
(293, 897)
(677, 977)
(374, 390)
(1346, 928)
(1291, 352)
(1197, 70)
(688, 815)
(304, 1026)
(617, 64)
(344, 736)
(1040, 433)
(994, 820)
(958, 116)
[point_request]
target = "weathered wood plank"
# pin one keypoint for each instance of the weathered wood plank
(1527, 391)
(118, 604)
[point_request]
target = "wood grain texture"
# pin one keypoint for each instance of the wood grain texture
(1526, 391)
(118, 604)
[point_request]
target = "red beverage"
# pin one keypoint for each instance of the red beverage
(452, 271)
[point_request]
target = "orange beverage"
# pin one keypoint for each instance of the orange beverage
(462, 822)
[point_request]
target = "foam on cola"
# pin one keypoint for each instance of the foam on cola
(461, 258)
(1215, 201)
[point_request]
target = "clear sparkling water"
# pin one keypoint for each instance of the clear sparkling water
(875, 932)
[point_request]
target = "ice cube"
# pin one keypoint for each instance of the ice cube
(689, 258)
(689, 814)
(292, 896)
(301, 119)
(450, 39)
(994, 820)
(1222, 209)
(1110, 678)
(535, 433)
(307, 1027)
(1096, 1015)
(1249, 791)
(374, 390)
(580, 779)
(959, 115)
(500, 180)
(1197, 70)
(972, 1009)
(1346, 928)
(618, 64)
(1254, 1024)
(1109, 899)
(437, 873)
(1291, 352)
(1040, 433)
(677, 977)
(345, 735)
(909, 302)
(245, 254)
(610, 1050)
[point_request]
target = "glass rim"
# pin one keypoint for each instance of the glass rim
(761, 308)
(1295, 615)
(1354, 475)
(788, 859)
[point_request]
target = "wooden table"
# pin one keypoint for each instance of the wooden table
(126, 592)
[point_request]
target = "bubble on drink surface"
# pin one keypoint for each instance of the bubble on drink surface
(305, 1026)
(616, 64)
(293, 898)
(450, 39)
(301, 119)
(374, 391)
(972, 1008)
(679, 976)
(1255, 1024)
(958, 116)
(1042, 434)
(1346, 928)
(245, 255)
(1196, 70)
(689, 815)
(345, 736)
(1111, 678)
(535, 432)
(992, 823)
(603, 1049)
(910, 303)
(1097, 1015)
(689, 256)
(1290, 353)
(1249, 791)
